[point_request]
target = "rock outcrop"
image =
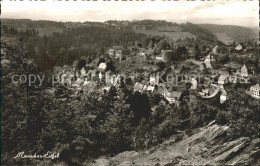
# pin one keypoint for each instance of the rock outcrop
(210, 145)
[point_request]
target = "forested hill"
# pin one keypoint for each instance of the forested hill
(201, 32)
(64, 48)
(172, 30)
(229, 33)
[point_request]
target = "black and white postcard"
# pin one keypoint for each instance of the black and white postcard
(130, 83)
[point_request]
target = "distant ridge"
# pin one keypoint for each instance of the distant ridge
(230, 33)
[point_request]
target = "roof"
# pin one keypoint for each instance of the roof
(222, 77)
(174, 94)
(165, 51)
(142, 54)
(244, 67)
(102, 66)
(205, 90)
(118, 47)
(158, 57)
(150, 88)
(256, 86)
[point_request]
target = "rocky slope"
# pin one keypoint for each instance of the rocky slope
(209, 145)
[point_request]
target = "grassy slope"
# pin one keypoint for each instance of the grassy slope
(229, 33)
(173, 32)
(181, 31)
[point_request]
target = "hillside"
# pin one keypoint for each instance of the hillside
(230, 33)
(173, 31)
(209, 145)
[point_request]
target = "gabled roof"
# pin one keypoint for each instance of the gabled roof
(150, 88)
(174, 94)
(118, 47)
(257, 86)
(102, 66)
(222, 77)
(138, 86)
(244, 67)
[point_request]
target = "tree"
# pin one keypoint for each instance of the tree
(81, 63)
(140, 106)
(110, 66)
(197, 52)
(156, 99)
(23, 105)
(161, 65)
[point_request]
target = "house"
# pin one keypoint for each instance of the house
(100, 76)
(83, 71)
(102, 66)
(167, 55)
(159, 58)
(57, 70)
(244, 71)
(173, 97)
(162, 89)
(111, 79)
(255, 91)
(154, 79)
(78, 83)
(251, 69)
(223, 97)
(138, 87)
(118, 53)
(150, 88)
(223, 79)
(214, 50)
(117, 47)
(145, 88)
(194, 83)
(142, 54)
(209, 58)
(111, 52)
(233, 79)
(204, 92)
(239, 47)
(106, 89)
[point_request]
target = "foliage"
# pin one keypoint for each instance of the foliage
(241, 114)
(199, 31)
(72, 44)
(197, 51)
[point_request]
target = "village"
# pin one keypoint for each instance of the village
(167, 78)
(130, 83)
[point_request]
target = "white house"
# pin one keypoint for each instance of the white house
(244, 71)
(111, 52)
(173, 97)
(194, 83)
(223, 79)
(208, 60)
(150, 88)
(100, 76)
(255, 91)
(239, 47)
(82, 71)
(154, 79)
(102, 66)
(159, 58)
(214, 50)
(138, 87)
(223, 98)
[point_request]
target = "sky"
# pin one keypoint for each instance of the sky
(232, 12)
